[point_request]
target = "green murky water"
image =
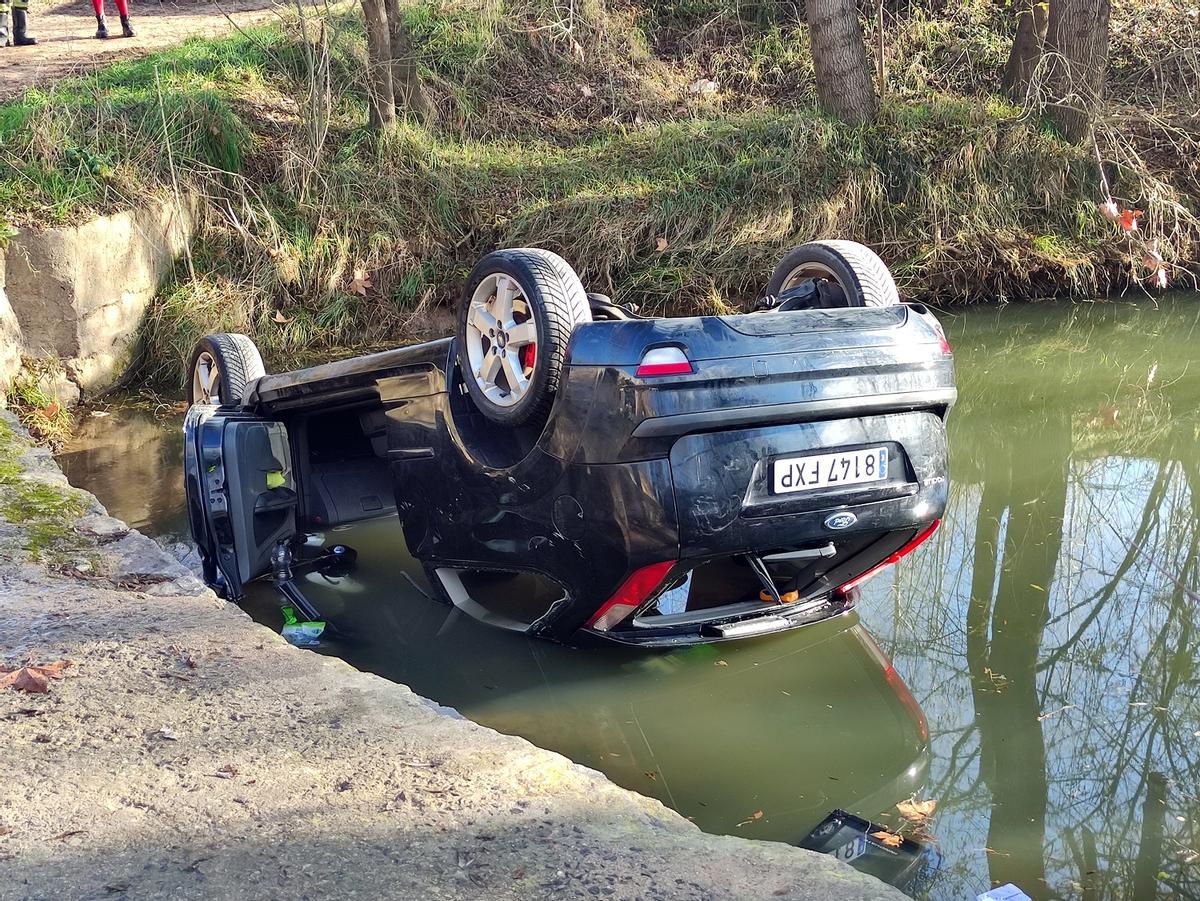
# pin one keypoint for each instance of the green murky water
(1039, 664)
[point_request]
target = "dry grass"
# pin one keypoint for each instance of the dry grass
(572, 127)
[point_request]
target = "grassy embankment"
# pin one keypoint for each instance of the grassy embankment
(583, 136)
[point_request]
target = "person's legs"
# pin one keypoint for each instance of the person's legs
(101, 24)
(123, 9)
(19, 37)
(5, 7)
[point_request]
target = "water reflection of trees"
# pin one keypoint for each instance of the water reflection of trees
(1049, 632)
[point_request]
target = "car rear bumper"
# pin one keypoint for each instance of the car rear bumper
(731, 626)
(811, 542)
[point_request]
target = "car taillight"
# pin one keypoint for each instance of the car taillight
(635, 589)
(894, 558)
(943, 343)
(664, 361)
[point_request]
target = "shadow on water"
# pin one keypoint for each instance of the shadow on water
(1047, 632)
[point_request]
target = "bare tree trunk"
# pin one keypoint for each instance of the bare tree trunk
(840, 59)
(380, 99)
(1077, 33)
(1026, 49)
(407, 89)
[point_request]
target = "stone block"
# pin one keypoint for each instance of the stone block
(79, 292)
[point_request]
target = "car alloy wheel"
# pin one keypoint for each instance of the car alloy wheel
(502, 339)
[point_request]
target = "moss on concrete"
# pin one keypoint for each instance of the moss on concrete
(44, 511)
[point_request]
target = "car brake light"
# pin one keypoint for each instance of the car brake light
(943, 343)
(664, 361)
(903, 552)
(633, 591)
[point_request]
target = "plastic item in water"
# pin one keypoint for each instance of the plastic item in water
(302, 634)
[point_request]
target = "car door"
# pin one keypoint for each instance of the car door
(241, 493)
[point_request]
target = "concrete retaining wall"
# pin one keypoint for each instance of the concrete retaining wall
(79, 293)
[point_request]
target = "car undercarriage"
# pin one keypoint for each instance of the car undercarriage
(681, 480)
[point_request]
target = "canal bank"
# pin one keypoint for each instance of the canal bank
(188, 752)
(1045, 632)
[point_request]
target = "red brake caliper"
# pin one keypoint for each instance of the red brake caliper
(529, 355)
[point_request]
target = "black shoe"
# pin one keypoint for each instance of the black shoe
(127, 29)
(101, 27)
(20, 38)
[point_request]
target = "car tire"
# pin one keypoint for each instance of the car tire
(525, 298)
(221, 369)
(859, 273)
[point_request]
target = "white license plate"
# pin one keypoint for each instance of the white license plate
(830, 470)
(852, 850)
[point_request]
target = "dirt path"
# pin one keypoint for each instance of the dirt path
(66, 44)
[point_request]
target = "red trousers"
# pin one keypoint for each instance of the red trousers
(122, 7)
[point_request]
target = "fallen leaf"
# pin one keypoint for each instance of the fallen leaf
(660, 244)
(280, 318)
(1129, 218)
(360, 283)
(889, 839)
(32, 678)
(916, 811)
(51, 411)
(1153, 262)
(1153, 258)
(757, 815)
(227, 771)
(720, 663)
(703, 86)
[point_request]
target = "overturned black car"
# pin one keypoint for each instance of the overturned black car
(569, 469)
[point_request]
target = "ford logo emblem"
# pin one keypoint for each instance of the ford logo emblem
(843, 520)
